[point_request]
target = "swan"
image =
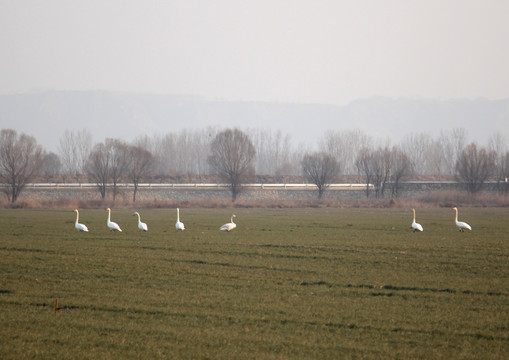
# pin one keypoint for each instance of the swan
(77, 225)
(229, 226)
(416, 226)
(179, 225)
(113, 226)
(141, 225)
(460, 224)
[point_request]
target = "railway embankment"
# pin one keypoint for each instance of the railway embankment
(259, 192)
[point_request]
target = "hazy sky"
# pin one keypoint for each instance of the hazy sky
(287, 51)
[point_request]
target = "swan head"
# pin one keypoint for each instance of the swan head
(135, 213)
(234, 215)
(455, 208)
(108, 209)
(76, 210)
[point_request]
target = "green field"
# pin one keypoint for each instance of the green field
(285, 284)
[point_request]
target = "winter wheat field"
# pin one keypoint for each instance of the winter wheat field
(285, 284)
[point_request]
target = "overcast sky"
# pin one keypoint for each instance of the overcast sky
(270, 50)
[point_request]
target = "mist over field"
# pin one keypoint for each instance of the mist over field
(126, 69)
(47, 115)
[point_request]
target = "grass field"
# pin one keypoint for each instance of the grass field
(299, 283)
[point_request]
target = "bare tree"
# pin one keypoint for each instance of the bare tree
(202, 148)
(417, 147)
(20, 160)
(376, 166)
(503, 173)
(272, 150)
(145, 142)
(98, 167)
(185, 152)
(459, 138)
(474, 167)
(345, 146)
(192, 149)
(51, 164)
(321, 169)
(294, 165)
(231, 157)
(383, 167)
(119, 162)
(74, 150)
(436, 154)
(183, 147)
(141, 162)
(400, 169)
(164, 148)
(453, 142)
(496, 144)
(364, 165)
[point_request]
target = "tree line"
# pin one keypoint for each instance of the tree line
(236, 156)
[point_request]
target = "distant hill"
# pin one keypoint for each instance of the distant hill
(46, 115)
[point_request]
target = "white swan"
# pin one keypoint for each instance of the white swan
(179, 225)
(77, 225)
(416, 226)
(141, 225)
(460, 224)
(229, 226)
(113, 226)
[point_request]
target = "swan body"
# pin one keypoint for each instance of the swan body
(141, 225)
(77, 225)
(462, 226)
(229, 226)
(416, 226)
(179, 225)
(113, 226)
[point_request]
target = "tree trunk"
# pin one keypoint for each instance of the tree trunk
(134, 193)
(14, 196)
(320, 192)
